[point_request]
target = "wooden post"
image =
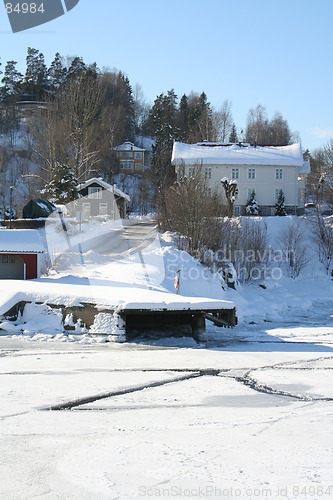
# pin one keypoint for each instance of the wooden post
(198, 324)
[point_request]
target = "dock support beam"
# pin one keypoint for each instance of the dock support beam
(198, 324)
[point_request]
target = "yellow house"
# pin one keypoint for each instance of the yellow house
(131, 158)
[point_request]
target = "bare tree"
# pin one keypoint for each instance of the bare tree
(222, 122)
(66, 130)
(190, 209)
(80, 102)
(229, 191)
(279, 130)
(257, 125)
(262, 131)
(291, 242)
(322, 233)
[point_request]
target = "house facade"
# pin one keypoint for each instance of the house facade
(20, 254)
(131, 158)
(262, 170)
(100, 198)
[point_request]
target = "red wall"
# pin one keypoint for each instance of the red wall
(31, 265)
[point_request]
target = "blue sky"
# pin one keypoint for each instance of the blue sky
(277, 53)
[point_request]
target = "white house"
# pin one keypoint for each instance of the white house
(264, 170)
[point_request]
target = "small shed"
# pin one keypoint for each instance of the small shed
(38, 208)
(20, 254)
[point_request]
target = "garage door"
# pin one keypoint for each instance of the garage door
(11, 267)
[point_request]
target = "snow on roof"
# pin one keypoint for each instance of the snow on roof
(127, 298)
(127, 146)
(106, 186)
(235, 154)
(305, 168)
(20, 241)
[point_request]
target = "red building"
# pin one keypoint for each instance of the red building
(20, 253)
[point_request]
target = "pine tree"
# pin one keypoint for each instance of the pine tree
(200, 123)
(233, 135)
(183, 118)
(77, 68)
(252, 207)
(36, 74)
(164, 114)
(63, 186)
(56, 72)
(9, 95)
(280, 208)
(12, 81)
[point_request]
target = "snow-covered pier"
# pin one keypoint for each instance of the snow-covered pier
(116, 311)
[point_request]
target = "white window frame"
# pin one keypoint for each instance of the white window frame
(237, 210)
(95, 193)
(86, 210)
(251, 173)
(208, 173)
(278, 173)
(235, 173)
(103, 209)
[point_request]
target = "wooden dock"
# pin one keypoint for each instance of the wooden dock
(121, 319)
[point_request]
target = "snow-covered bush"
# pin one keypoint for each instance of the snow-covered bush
(280, 208)
(252, 207)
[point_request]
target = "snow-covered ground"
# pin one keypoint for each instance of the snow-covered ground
(247, 414)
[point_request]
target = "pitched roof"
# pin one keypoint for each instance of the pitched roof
(112, 188)
(20, 241)
(127, 146)
(235, 154)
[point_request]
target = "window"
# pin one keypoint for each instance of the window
(278, 192)
(251, 173)
(235, 173)
(103, 209)
(95, 193)
(237, 211)
(138, 166)
(278, 173)
(85, 210)
(126, 154)
(236, 194)
(208, 173)
(138, 155)
(251, 192)
(126, 165)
